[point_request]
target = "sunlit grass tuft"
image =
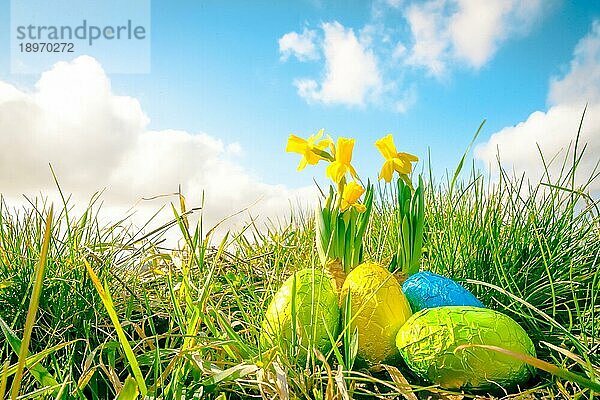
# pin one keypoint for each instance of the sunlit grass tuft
(186, 323)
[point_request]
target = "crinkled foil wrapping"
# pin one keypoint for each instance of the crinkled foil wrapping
(428, 340)
(378, 310)
(427, 290)
(316, 310)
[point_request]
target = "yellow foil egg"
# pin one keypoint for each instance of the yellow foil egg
(378, 309)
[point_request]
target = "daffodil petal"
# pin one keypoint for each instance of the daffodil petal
(402, 166)
(386, 147)
(352, 171)
(331, 145)
(302, 164)
(296, 144)
(344, 150)
(352, 192)
(322, 144)
(344, 205)
(312, 158)
(313, 138)
(361, 208)
(408, 157)
(387, 171)
(336, 171)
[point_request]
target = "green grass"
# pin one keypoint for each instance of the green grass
(186, 323)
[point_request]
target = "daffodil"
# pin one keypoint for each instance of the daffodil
(341, 164)
(394, 161)
(311, 148)
(351, 194)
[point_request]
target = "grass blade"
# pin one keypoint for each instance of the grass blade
(108, 304)
(462, 160)
(32, 360)
(40, 373)
(3, 379)
(33, 307)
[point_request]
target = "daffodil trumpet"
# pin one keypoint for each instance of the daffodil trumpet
(342, 161)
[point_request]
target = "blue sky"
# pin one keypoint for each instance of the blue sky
(216, 68)
(220, 68)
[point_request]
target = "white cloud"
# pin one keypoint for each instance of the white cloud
(302, 46)
(407, 100)
(431, 40)
(478, 28)
(95, 139)
(351, 77)
(582, 83)
(465, 31)
(369, 66)
(556, 128)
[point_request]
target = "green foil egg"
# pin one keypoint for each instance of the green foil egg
(428, 342)
(302, 314)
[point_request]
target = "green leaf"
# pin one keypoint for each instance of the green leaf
(350, 338)
(411, 218)
(130, 390)
(405, 232)
(364, 217)
(418, 225)
(322, 232)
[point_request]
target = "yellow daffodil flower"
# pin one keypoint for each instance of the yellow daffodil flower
(394, 161)
(306, 147)
(341, 164)
(350, 196)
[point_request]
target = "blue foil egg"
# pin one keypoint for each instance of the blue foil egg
(428, 290)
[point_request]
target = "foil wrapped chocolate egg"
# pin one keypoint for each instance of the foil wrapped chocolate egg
(303, 314)
(428, 290)
(443, 346)
(378, 309)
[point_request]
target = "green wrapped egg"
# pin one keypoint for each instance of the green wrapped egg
(378, 309)
(303, 313)
(428, 340)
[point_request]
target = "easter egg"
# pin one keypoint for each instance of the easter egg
(427, 290)
(428, 343)
(378, 309)
(303, 313)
